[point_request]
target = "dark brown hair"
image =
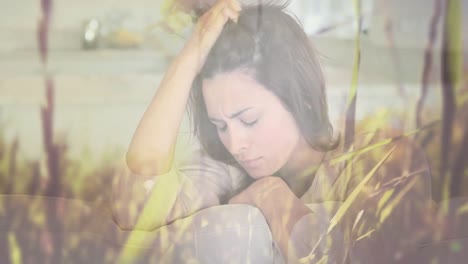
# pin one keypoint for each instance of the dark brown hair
(272, 46)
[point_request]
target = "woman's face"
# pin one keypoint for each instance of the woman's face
(251, 122)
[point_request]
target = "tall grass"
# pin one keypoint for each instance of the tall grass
(444, 140)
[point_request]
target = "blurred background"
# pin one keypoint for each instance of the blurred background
(102, 89)
(73, 89)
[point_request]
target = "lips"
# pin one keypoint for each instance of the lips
(250, 162)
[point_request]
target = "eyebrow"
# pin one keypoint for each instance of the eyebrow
(232, 116)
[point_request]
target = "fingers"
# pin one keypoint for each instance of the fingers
(210, 25)
(229, 13)
(214, 20)
(234, 9)
(234, 5)
(229, 9)
(221, 12)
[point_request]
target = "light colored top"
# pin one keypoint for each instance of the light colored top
(204, 182)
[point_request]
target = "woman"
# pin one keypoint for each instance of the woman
(257, 95)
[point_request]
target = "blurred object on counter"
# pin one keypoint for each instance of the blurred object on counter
(91, 34)
(123, 38)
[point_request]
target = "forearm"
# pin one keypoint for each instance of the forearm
(152, 148)
(151, 151)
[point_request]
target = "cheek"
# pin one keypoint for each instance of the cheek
(277, 133)
(279, 139)
(266, 132)
(272, 142)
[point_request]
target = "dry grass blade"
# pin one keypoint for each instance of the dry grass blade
(323, 260)
(460, 166)
(358, 217)
(352, 197)
(428, 59)
(462, 99)
(384, 199)
(451, 75)
(389, 208)
(311, 256)
(462, 209)
(365, 235)
(351, 105)
(351, 154)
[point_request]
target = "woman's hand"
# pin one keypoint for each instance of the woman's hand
(272, 196)
(264, 192)
(278, 204)
(208, 29)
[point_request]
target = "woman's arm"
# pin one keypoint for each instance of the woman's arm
(151, 151)
(167, 190)
(152, 148)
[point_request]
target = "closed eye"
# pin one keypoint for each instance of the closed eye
(251, 124)
(247, 124)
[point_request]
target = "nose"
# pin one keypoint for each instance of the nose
(236, 143)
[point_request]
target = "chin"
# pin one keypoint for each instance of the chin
(261, 172)
(258, 174)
